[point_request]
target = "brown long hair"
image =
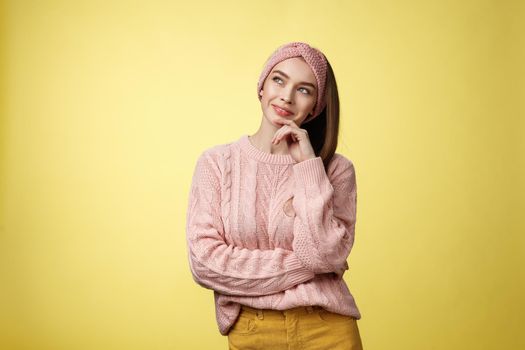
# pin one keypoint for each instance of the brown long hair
(323, 130)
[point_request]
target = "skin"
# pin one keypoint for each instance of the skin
(282, 134)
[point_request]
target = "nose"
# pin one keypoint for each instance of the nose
(286, 95)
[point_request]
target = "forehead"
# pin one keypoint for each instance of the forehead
(297, 69)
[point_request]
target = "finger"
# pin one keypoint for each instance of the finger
(294, 135)
(277, 134)
(281, 133)
(293, 124)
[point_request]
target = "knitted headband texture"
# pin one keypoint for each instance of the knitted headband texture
(315, 59)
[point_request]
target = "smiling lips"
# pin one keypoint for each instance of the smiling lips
(282, 112)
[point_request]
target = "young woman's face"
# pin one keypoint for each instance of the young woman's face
(291, 85)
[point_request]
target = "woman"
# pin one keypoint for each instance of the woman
(271, 216)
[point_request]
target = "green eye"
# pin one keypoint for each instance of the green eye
(307, 92)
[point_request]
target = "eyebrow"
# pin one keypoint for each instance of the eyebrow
(286, 76)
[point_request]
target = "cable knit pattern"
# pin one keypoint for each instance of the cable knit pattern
(268, 232)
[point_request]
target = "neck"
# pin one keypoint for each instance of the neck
(262, 139)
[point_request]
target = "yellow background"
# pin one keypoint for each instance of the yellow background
(105, 106)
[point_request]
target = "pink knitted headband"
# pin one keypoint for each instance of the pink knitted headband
(315, 59)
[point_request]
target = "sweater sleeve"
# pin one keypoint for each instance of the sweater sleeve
(223, 267)
(325, 206)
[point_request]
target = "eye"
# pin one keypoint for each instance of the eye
(279, 81)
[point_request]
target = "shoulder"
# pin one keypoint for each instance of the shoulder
(340, 168)
(215, 157)
(341, 163)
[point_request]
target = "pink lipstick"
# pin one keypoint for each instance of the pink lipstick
(281, 111)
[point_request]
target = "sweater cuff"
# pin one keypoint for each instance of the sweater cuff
(310, 171)
(297, 271)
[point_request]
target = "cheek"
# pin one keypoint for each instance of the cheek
(307, 102)
(269, 95)
(265, 97)
(270, 89)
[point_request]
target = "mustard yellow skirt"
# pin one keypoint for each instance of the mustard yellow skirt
(305, 328)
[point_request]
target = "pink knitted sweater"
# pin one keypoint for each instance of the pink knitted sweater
(265, 231)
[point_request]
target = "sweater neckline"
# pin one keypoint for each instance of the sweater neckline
(265, 157)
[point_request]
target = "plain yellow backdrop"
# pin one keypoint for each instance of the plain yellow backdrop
(105, 106)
